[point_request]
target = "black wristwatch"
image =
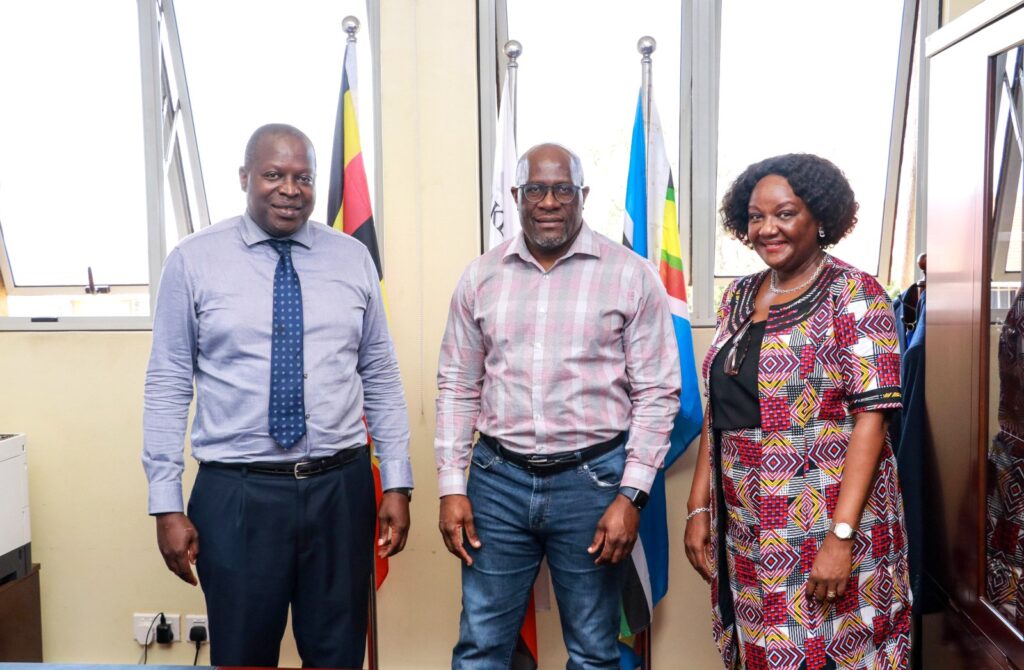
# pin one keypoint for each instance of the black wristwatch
(636, 497)
(404, 490)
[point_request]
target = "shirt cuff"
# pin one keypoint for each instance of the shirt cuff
(639, 476)
(451, 482)
(165, 497)
(395, 474)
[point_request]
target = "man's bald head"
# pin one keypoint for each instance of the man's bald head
(575, 165)
(271, 130)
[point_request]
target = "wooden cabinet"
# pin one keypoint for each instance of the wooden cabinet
(21, 636)
(967, 117)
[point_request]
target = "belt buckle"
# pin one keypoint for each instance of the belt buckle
(299, 475)
(539, 461)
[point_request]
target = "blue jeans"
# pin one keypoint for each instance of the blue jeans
(520, 518)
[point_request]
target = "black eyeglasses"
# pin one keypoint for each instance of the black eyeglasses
(565, 193)
(734, 359)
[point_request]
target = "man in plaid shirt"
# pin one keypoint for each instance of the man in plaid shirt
(559, 344)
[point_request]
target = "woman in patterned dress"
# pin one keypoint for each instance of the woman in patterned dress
(795, 515)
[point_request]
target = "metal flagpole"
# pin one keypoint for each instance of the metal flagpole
(350, 25)
(513, 50)
(646, 46)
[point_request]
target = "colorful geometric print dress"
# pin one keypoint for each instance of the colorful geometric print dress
(826, 355)
(1004, 531)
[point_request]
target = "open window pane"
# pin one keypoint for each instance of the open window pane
(579, 87)
(249, 63)
(809, 76)
(1013, 258)
(72, 177)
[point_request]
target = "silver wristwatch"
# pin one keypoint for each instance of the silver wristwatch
(842, 530)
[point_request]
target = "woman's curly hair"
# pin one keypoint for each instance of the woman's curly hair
(820, 184)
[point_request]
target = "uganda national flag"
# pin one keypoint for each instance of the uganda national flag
(348, 210)
(348, 202)
(652, 230)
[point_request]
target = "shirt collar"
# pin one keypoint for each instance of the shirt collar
(586, 243)
(253, 234)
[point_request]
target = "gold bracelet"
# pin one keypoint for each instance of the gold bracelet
(699, 510)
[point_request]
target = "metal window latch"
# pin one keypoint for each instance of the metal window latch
(92, 288)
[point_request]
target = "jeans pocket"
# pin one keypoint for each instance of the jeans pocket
(484, 457)
(605, 472)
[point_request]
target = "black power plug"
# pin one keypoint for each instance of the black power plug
(164, 634)
(197, 634)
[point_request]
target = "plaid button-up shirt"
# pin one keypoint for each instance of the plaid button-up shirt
(556, 361)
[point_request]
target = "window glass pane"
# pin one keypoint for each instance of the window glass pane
(249, 63)
(72, 173)
(579, 77)
(904, 269)
(1013, 258)
(809, 76)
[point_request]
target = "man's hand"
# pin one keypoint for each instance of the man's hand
(616, 532)
(393, 517)
(456, 517)
(178, 540)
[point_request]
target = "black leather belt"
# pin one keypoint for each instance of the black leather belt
(300, 469)
(548, 464)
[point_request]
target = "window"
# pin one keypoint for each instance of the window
(100, 166)
(249, 63)
(1007, 192)
(578, 81)
(803, 77)
(754, 79)
(72, 169)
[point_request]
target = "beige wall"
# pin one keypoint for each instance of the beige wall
(954, 8)
(79, 398)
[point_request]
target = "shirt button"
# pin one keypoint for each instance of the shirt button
(307, 416)
(536, 345)
(305, 375)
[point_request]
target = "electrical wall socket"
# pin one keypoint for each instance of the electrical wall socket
(141, 626)
(196, 620)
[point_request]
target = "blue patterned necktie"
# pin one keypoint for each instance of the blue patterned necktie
(287, 408)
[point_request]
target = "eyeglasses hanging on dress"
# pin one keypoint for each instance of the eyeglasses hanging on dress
(734, 359)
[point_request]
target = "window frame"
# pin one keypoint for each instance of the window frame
(167, 124)
(700, 42)
(173, 170)
(706, 132)
(1011, 164)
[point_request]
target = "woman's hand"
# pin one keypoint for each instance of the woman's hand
(831, 570)
(698, 544)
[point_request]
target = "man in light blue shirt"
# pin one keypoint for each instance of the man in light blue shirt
(282, 511)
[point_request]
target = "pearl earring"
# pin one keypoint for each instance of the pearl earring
(821, 232)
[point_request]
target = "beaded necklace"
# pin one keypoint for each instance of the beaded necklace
(773, 284)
